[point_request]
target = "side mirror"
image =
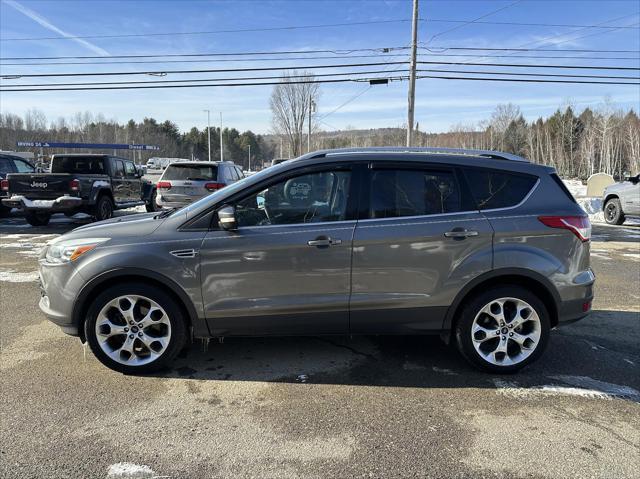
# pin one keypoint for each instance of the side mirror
(227, 218)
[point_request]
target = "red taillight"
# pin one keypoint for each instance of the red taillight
(578, 225)
(4, 185)
(213, 186)
(164, 185)
(74, 185)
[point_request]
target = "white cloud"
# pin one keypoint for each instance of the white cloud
(27, 12)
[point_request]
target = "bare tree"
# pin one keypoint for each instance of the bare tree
(290, 103)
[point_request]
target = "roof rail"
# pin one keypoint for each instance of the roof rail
(497, 155)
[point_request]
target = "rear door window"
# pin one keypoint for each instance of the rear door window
(498, 189)
(118, 169)
(23, 166)
(186, 172)
(82, 165)
(413, 192)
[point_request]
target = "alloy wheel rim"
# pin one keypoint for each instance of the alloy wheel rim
(106, 211)
(506, 331)
(611, 211)
(133, 330)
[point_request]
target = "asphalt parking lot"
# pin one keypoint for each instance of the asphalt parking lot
(322, 407)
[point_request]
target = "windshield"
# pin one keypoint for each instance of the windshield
(84, 165)
(213, 198)
(179, 172)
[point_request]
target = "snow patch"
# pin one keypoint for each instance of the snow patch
(593, 207)
(581, 386)
(129, 470)
(576, 187)
(12, 276)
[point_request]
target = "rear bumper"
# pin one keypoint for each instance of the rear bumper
(63, 203)
(579, 306)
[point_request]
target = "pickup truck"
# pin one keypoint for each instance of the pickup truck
(87, 183)
(11, 164)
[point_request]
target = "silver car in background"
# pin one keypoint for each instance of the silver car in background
(621, 200)
(185, 182)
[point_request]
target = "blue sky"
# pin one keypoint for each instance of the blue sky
(440, 103)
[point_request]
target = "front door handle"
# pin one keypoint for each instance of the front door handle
(323, 241)
(460, 233)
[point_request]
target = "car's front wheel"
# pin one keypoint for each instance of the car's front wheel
(135, 328)
(503, 329)
(613, 212)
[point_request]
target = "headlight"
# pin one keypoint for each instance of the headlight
(70, 250)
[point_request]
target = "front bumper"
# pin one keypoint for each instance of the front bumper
(59, 287)
(61, 204)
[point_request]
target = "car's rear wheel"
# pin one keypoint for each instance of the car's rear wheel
(503, 329)
(104, 208)
(135, 328)
(613, 212)
(37, 219)
(151, 205)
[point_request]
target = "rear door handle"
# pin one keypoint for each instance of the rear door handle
(459, 233)
(324, 241)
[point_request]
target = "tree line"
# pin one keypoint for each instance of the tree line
(88, 128)
(604, 139)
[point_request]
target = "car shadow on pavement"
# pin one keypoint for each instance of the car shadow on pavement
(586, 351)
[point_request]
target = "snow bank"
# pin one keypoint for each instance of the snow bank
(576, 187)
(591, 205)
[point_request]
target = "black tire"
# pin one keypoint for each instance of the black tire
(151, 205)
(104, 208)
(472, 308)
(178, 329)
(613, 214)
(37, 219)
(4, 211)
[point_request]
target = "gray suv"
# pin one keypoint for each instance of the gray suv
(186, 181)
(483, 248)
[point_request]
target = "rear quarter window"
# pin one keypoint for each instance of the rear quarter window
(78, 164)
(498, 189)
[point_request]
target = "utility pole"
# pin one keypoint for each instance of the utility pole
(249, 157)
(208, 132)
(412, 74)
(221, 150)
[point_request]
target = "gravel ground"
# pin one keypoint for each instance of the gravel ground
(322, 407)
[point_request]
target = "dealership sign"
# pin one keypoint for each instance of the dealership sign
(96, 146)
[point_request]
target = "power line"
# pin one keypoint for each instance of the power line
(381, 50)
(308, 67)
(475, 20)
(398, 78)
(268, 59)
(145, 82)
(520, 24)
(210, 32)
(526, 80)
(298, 27)
(214, 54)
(142, 62)
(431, 70)
(571, 50)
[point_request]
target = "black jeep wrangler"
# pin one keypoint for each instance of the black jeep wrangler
(87, 183)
